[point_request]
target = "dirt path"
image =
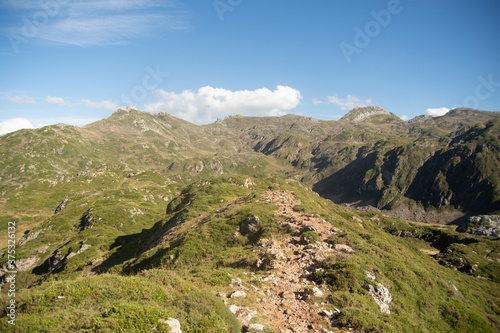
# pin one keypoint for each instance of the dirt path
(285, 304)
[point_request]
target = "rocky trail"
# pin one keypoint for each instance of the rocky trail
(287, 298)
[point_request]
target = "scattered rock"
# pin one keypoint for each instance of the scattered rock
(482, 225)
(222, 295)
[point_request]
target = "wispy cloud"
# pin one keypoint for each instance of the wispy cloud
(90, 23)
(17, 99)
(437, 112)
(56, 100)
(348, 103)
(207, 103)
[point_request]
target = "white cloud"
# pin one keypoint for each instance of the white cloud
(208, 103)
(18, 99)
(107, 104)
(104, 22)
(56, 100)
(348, 103)
(14, 124)
(437, 112)
(405, 117)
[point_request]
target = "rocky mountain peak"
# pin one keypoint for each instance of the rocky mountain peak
(360, 113)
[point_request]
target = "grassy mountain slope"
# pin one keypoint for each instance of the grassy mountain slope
(140, 268)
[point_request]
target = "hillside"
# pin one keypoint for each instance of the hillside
(141, 217)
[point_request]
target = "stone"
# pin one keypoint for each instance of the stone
(238, 294)
(381, 296)
(369, 274)
(255, 327)
(173, 324)
(244, 315)
(249, 226)
(316, 292)
(344, 248)
(221, 295)
(236, 282)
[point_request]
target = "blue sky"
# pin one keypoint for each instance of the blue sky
(77, 61)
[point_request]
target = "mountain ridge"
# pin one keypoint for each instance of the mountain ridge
(310, 150)
(220, 224)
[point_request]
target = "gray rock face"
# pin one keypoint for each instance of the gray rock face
(382, 297)
(483, 225)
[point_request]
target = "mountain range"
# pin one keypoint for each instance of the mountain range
(262, 223)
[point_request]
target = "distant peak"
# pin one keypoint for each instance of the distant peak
(360, 113)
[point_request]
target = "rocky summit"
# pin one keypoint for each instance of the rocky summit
(145, 222)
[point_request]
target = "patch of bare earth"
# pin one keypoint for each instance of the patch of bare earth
(288, 298)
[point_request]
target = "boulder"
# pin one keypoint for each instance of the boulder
(238, 294)
(249, 226)
(381, 296)
(173, 325)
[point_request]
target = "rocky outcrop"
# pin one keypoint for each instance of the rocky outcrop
(381, 296)
(88, 220)
(249, 226)
(30, 236)
(26, 264)
(483, 225)
(62, 205)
